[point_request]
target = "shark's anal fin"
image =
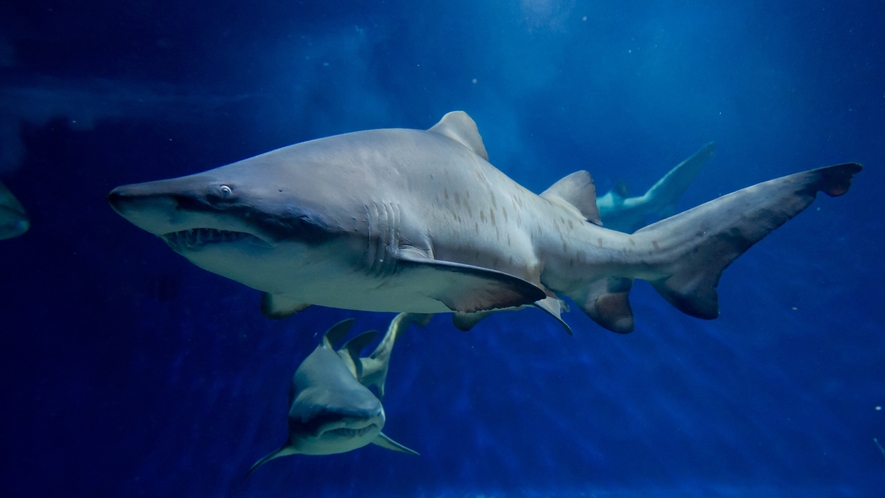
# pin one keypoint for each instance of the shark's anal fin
(461, 128)
(606, 302)
(277, 307)
(578, 191)
(385, 442)
(466, 288)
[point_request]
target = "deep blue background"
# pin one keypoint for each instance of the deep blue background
(126, 371)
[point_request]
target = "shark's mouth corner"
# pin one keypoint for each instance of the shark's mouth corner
(198, 238)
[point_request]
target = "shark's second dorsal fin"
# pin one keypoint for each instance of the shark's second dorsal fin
(576, 190)
(461, 128)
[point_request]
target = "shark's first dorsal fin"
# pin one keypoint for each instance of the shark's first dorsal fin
(578, 191)
(335, 334)
(461, 128)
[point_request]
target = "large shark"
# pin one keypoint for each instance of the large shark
(419, 221)
(13, 220)
(628, 214)
(329, 410)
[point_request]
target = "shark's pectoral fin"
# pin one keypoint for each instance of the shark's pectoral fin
(554, 307)
(336, 333)
(466, 288)
(578, 191)
(385, 442)
(607, 303)
(277, 307)
(284, 450)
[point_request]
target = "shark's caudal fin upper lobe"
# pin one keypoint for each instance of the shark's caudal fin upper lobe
(697, 245)
(684, 256)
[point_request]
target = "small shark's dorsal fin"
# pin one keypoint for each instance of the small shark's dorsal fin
(351, 350)
(576, 190)
(385, 442)
(277, 307)
(335, 334)
(461, 128)
(620, 190)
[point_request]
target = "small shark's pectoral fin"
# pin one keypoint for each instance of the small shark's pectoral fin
(467, 288)
(554, 307)
(277, 307)
(284, 450)
(461, 128)
(578, 191)
(385, 442)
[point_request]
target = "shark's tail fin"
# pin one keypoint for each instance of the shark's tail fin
(684, 256)
(694, 247)
(669, 189)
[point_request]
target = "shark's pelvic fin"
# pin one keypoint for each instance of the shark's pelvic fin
(576, 190)
(695, 246)
(467, 288)
(385, 442)
(554, 307)
(278, 307)
(461, 128)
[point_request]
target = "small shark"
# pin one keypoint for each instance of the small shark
(419, 221)
(879, 446)
(329, 410)
(372, 371)
(628, 214)
(13, 220)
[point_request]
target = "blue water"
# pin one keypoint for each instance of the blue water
(127, 371)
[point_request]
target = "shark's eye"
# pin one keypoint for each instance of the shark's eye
(225, 190)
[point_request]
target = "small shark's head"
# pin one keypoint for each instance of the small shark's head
(319, 428)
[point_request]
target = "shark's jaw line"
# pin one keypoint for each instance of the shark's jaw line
(197, 238)
(349, 432)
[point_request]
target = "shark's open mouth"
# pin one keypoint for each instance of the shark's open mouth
(196, 238)
(345, 432)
